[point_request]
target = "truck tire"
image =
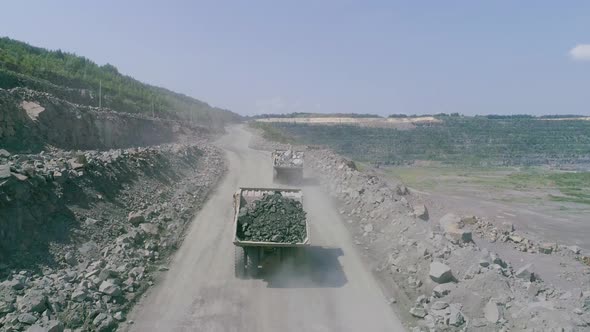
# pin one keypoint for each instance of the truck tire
(239, 262)
(252, 262)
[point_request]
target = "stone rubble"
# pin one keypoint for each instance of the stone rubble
(118, 215)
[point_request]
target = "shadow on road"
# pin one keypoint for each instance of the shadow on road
(318, 267)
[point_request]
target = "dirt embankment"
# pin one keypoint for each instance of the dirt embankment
(31, 120)
(84, 232)
(453, 272)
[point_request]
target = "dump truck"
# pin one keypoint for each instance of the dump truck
(251, 256)
(287, 165)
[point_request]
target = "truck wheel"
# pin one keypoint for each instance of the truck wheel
(239, 262)
(252, 262)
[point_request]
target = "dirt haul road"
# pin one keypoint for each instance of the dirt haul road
(332, 292)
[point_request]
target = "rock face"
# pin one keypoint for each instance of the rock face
(22, 126)
(273, 218)
(453, 228)
(440, 273)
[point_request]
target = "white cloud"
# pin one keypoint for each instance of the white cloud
(580, 52)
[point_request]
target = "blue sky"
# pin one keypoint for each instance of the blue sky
(413, 57)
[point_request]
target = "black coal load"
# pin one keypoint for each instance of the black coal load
(273, 218)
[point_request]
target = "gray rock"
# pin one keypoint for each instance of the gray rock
(497, 260)
(89, 250)
(421, 299)
(420, 211)
(107, 324)
(575, 249)
(70, 259)
(484, 263)
(525, 272)
(439, 305)
(34, 301)
(6, 307)
(55, 326)
(547, 248)
(149, 228)
(4, 153)
(507, 227)
(136, 218)
(36, 328)
(440, 273)
(27, 318)
(79, 295)
(442, 290)
(456, 317)
(15, 283)
(109, 288)
(418, 312)
(492, 311)
(4, 171)
(99, 319)
(119, 316)
(469, 220)
(368, 228)
(453, 228)
(402, 190)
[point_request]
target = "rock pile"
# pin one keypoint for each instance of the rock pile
(125, 219)
(288, 158)
(273, 218)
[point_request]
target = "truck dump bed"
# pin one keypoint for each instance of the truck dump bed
(287, 159)
(245, 196)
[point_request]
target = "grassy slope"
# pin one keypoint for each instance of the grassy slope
(458, 140)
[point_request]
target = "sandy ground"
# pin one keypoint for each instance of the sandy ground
(334, 292)
(542, 221)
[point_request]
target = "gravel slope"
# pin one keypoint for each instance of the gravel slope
(335, 292)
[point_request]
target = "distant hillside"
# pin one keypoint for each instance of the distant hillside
(76, 79)
(456, 140)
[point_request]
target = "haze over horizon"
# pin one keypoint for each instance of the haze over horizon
(379, 57)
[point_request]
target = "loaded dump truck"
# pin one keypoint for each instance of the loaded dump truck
(268, 223)
(287, 165)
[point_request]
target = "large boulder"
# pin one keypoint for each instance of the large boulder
(453, 227)
(149, 228)
(440, 273)
(4, 171)
(420, 211)
(136, 218)
(109, 288)
(493, 312)
(34, 301)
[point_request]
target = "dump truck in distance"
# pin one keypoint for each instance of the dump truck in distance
(287, 165)
(269, 225)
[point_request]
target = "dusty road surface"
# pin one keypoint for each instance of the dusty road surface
(333, 292)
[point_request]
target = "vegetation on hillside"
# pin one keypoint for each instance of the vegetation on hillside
(77, 79)
(316, 115)
(457, 140)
